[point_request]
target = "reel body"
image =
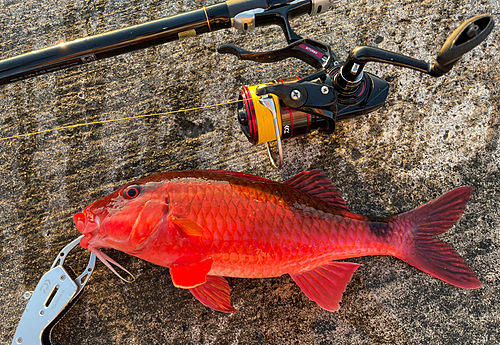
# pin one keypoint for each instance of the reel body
(292, 107)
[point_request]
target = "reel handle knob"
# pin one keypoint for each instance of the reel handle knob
(467, 36)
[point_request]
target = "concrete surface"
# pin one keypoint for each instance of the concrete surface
(431, 136)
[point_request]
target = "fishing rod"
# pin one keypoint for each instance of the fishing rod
(290, 107)
(244, 15)
(281, 109)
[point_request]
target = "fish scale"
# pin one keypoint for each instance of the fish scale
(204, 225)
(274, 223)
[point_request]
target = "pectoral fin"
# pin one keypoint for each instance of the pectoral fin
(188, 226)
(326, 284)
(188, 276)
(215, 293)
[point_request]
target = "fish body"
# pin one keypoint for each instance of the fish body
(205, 225)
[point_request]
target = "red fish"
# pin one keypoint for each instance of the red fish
(205, 225)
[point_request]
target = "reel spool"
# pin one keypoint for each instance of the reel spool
(266, 118)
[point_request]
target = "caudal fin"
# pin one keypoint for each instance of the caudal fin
(432, 255)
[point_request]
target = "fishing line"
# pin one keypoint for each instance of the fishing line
(117, 120)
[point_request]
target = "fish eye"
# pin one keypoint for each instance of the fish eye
(131, 192)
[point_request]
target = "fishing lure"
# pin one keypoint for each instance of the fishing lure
(205, 225)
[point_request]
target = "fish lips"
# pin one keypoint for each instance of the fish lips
(87, 227)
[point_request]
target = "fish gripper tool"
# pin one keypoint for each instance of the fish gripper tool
(54, 295)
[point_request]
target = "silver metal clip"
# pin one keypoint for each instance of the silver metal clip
(53, 294)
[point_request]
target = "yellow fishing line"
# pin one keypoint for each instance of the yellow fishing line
(116, 120)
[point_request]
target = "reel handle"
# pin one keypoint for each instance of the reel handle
(466, 37)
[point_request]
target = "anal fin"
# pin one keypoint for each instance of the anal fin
(215, 293)
(326, 284)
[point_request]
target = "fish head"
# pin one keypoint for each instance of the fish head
(126, 220)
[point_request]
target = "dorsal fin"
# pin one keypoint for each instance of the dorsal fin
(244, 176)
(317, 184)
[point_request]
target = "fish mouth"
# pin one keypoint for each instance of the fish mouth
(88, 226)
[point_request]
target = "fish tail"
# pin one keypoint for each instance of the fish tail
(431, 255)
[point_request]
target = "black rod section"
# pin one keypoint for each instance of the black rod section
(193, 23)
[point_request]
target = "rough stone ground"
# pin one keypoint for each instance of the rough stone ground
(431, 136)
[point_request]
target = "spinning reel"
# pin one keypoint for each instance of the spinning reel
(292, 107)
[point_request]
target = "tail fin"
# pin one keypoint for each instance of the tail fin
(432, 255)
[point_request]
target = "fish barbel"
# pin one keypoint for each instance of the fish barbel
(204, 225)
